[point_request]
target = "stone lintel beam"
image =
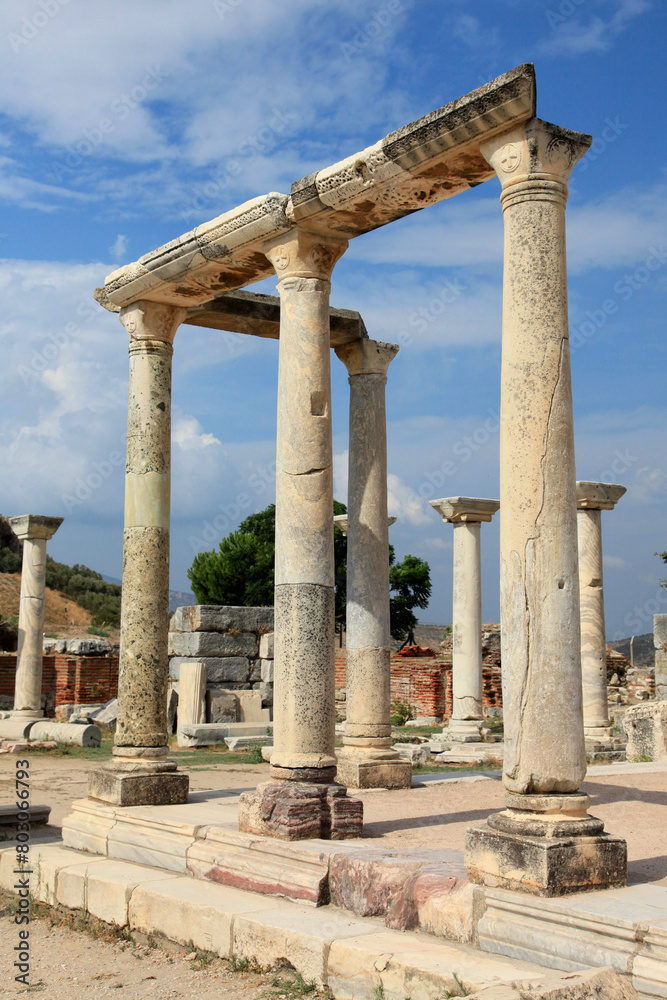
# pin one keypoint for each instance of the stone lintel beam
(340, 521)
(598, 496)
(34, 526)
(418, 165)
(457, 509)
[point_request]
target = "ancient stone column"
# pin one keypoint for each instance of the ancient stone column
(301, 800)
(541, 840)
(660, 645)
(139, 773)
(34, 531)
(592, 499)
(466, 514)
(367, 760)
(191, 696)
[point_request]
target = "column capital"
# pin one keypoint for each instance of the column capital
(302, 254)
(28, 526)
(340, 521)
(598, 496)
(367, 357)
(534, 160)
(457, 510)
(145, 320)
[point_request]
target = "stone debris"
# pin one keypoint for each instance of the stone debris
(646, 729)
(415, 752)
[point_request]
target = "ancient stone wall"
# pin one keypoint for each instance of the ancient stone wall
(68, 680)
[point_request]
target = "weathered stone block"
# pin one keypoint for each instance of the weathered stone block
(416, 753)
(219, 669)
(294, 810)
(544, 866)
(266, 691)
(646, 729)
(603, 984)
(266, 646)
(221, 705)
(210, 618)
(138, 789)
(196, 644)
(266, 671)
(374, 773)
(245, 742)
(255, 671)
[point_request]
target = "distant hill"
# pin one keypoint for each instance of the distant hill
(180, 599)
(644, 650)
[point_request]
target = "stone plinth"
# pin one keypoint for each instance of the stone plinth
(364, 772)
(646, 729)
(592, 499)
(300, 810)
(134, 782)
(466, 514)
(34, 531)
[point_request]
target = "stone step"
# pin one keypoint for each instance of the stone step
(355, 957)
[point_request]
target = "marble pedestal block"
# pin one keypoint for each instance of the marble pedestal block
(546, 845)
(300, 810)
(366, 772)
(134, 783)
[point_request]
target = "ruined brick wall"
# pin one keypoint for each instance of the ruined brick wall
(66, 679)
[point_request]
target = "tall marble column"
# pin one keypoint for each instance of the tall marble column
(466, 514)
(139, 773)
(592, 499)
(301, 800)
(34, 531)
(544, 842)
(367, 760)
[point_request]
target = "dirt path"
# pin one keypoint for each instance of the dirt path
(67, 964)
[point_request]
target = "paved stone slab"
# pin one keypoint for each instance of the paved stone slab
(413, 965)
(111, 885)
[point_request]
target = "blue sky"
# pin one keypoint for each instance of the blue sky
(124, 125)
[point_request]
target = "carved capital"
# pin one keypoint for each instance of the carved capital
(302, 254)
(598, 496)
(27, 526)
(367, 357)
(534, 160)
(145, 320)
(465, 509)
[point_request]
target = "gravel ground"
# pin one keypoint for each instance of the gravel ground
(68, 964)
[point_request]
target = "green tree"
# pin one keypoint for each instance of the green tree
(241, 573)
(663, 556)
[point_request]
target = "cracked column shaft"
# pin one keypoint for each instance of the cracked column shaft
(539, 584)
(304, 683)
(34, 531)
(367, 760)
(592, 499)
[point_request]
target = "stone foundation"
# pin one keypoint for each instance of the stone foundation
(137, 784)
(373, 773)
(296, 810)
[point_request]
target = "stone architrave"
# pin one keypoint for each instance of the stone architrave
(592, 499)
(139, 773)
(466, 514)
(191, 696)
(660, 644)
(544, 842)
(301, 799)
(34, 531)
(367, 759)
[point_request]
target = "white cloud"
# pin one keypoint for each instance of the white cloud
(119, 248)
(614, 562)
(576, 35)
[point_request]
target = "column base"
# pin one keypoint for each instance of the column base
(602, 737)
(294, 810)
(464, 730)
(546, 845)
(373, 770)
(139, 783)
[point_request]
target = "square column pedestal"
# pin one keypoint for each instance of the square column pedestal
(547, 845)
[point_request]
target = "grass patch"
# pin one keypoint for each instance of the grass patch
(93, 630)
(418, 731)
(102, 752)
(294, 986)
